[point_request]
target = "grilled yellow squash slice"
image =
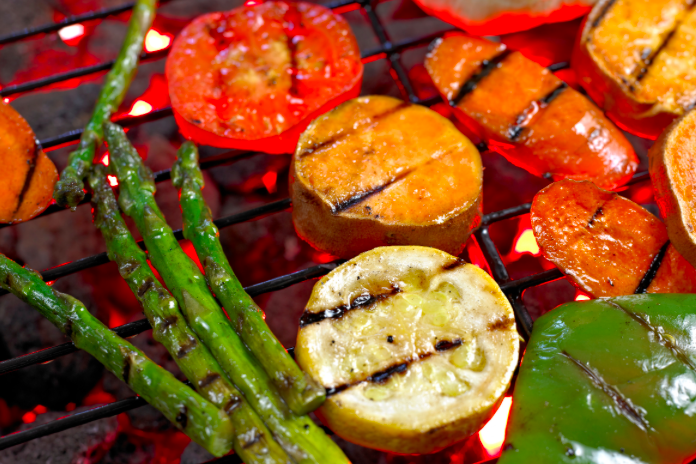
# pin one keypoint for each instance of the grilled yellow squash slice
(415, 347)
(378, 171)
(637, 60)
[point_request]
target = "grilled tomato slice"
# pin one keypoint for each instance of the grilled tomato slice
(26, 188)
(606, 244)
(254, 77)
(415, 347)
(378, 171)
(637, 60)
(527, 114)
(673, 174)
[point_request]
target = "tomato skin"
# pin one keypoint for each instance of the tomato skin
(253, 78)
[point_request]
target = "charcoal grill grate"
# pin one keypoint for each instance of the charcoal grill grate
(391, 51)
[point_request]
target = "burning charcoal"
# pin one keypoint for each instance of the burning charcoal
(65, 380)
(84, 444)
(195, 454)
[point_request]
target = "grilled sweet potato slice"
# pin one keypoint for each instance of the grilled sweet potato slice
(527, 114)
(673, 174)
(606, 244)
(637, 60)
(26, 186)
(378, 171)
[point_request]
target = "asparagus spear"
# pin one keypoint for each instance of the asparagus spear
(298, 435)
(69, 189)
(300, 392)
(194, 415)
(252, 440)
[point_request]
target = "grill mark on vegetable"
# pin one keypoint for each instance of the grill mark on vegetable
(293, 19)
(362, 196)
(255, 438)
(147, 284)
(652, 270)
(454, 264)
(182, 417)
(210, 378)
(659, 334)
(385, 374)
(69, 328)
(232, 404)
(377, 117)
(603, 13)
(169, 320)
(186, 348)
(503, 323)
(361, 301)
(28, 177)
(487, 67)
(126, 368)
(624, 406)
(522, 120)
(650, 59)
(598, 212)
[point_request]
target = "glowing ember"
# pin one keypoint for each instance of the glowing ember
(581, 297)
(72, 34)
(269, 181)
(526, 243)
(29, 417)
(105, 159)
(154, 41)
(112, 180)
(139, 108)
(40, 409)
(7, 100)
(251, 3)
(70, 407)
(492, 435)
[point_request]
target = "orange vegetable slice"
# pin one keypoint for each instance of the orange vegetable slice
(606, 244)
(26, 188)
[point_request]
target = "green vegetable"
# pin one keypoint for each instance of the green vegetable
(608, 381)
(298, 435)
(195, 416)
(252, 440)
(300, 392)
(69, 189)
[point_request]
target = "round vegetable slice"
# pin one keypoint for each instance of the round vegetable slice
(415, 347)
(673, 174)
(379, 171)
(26, 188)
(254, 77)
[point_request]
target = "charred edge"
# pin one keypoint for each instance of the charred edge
(145, 286)
(598, 212)
(210, 378)
(444, 345)
(659, 334)
(652, 270)
(332, 140)
(624, 407)
(169, 321)
(129, 267)
(515, 131)
(362, 196)
(454, 264)
(28, 177)
(182, 417)
(385, 374)
(232, 404)
(603, 13)
(126, 369)
(69, 328)
(187, 348)
(255, 438)
(503, 323)
(487, 67)
(338, 312)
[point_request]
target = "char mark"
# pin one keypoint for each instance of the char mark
(652, 270)
(251, 438)
(28, 177)
(145, 286)
(128, 267)
(598, 212)
(169, 321)
(659, 334)
(210, 378)
(603, 13)
(232, 404)
(523, 119)
(330, 141)
(361, 301)
(454, 264)
(187, 348)
(401, 367)
(291, 22)
(624, 406)
(503, 323)
(182, 417)
(487, 67)
(68, 330)
(362, 196)
(126, 368)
